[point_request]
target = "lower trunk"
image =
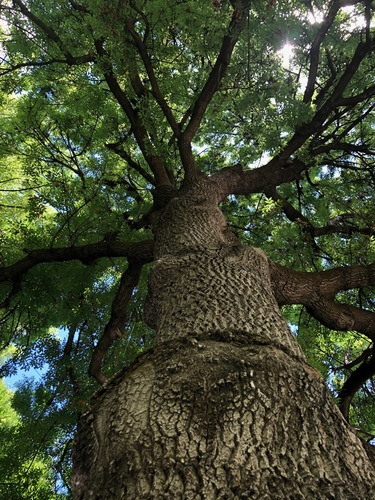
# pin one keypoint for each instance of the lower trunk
(209, 419)
(225, 406)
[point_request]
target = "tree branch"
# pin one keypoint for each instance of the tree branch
(114, 328)
(140, 133)
(281, 168)
(152, 77)
(39, 64)
(342, 146)
(358, 98)
(235, 28)
(295, 215)
(292, 213)
(51, 34)
(141, 251)
(234, 180)
(297, 287)
(315, 50)
(306, 130)
(317, 290)
(355, 381)
(343, 317)
(118, 149)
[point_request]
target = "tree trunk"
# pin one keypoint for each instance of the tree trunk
(225, 405)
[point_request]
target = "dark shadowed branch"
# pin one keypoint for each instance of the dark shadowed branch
(152, 77)
(115, 326)
(212, 84)
(139, 131)
(141, 251)
(315, 50)
(355, 381)
(236, 26)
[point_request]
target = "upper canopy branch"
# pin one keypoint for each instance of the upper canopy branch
(153, 80)
(138, 129)
(283, 168)
(140, 133)
(314, 126)
(315, 50)
(236, 26)
(52, 35)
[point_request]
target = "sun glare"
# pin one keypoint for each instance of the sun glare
(286, 53)
(315, 17)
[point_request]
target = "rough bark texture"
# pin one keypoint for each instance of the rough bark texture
(225, 406)
(209, 419)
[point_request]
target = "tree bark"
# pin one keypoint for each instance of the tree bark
(225, 406)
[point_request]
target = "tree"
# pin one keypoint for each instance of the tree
(173, 133)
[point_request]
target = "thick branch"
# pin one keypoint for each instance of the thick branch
(141, 251)
(358, 98)
(343, 317)
(295, 287)
(114, 327)
(343, 229)
(317, 291)
(234, 180)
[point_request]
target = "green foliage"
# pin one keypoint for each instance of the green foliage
(25, 465)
